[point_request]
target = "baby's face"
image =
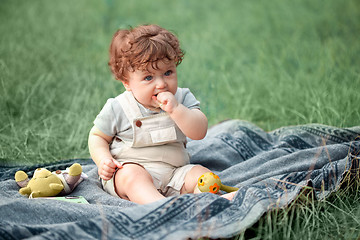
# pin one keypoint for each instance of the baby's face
(145, 84)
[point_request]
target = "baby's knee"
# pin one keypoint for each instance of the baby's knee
(127, 179)
(130, 173)
(198, 170)
(191, 179)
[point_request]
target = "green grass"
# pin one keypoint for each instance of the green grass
(274, 63)
(337, 217)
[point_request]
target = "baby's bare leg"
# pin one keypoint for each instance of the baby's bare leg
(229, 196)
(134, 183)
(191, 180)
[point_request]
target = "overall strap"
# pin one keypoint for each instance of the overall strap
(129, 105)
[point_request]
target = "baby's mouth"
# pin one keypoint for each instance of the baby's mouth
(156, 95)
(162, 91)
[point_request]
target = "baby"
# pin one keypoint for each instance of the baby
(138, 140)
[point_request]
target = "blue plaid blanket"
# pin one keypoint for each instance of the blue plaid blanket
(272, 169)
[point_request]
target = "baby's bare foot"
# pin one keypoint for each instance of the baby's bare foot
(229, 196)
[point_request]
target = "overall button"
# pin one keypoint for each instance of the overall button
(138, 123)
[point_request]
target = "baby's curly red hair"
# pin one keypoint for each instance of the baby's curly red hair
(136, 48)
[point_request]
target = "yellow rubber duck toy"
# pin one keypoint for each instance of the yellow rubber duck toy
(210, 182)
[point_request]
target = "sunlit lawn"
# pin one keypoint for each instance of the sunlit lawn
(274, 63)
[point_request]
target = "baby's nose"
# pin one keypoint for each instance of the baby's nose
(160, 83)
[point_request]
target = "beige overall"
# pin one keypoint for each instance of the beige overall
(158, 145)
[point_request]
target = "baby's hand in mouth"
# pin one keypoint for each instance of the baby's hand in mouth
(156, 99)
(166, 101)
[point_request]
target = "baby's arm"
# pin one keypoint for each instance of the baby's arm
(192, 122)
(99, 150)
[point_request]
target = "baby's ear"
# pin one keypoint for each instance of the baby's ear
(126, 85)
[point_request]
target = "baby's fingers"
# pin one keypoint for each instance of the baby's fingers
(117, 164)
(105, 174)
(112, 163)
(108, 167)
(160, 104)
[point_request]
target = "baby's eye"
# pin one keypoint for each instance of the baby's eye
(148, 78)
(168, 73)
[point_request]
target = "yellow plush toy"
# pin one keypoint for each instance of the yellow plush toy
(48, 184)
(210, 182)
